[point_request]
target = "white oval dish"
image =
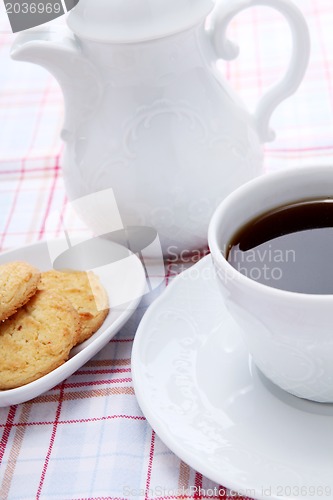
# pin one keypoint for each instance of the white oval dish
(123, 278)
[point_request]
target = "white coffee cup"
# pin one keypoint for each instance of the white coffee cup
(289, 334)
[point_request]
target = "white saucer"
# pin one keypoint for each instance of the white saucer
(199, 390)
(123, 277)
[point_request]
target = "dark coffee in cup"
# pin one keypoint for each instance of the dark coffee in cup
(289, 247)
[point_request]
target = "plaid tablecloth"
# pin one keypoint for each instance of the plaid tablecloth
(87, 438)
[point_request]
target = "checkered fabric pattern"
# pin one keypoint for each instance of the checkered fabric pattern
(87, 438)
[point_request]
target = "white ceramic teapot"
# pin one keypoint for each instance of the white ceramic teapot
(149, 115)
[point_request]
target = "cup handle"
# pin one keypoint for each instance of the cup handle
(226, 49)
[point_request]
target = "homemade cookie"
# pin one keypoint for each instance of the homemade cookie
(85, 292)
(18, 283)
(37, 339)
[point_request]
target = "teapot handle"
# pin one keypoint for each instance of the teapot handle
(226, 49)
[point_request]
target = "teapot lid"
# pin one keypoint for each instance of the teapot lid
(126, 21)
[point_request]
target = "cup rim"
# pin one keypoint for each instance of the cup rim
(223, 207)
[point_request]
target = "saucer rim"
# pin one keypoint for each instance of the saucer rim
(169, 439)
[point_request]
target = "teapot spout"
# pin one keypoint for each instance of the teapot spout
(76, 75)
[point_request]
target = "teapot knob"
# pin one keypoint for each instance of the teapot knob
(226, 49)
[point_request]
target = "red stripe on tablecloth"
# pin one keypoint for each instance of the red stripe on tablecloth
(100, 498)
(150, 464)
(182, 497)
(14, 453)
(28, 102)
(98, 419)
(72, 385)
(325, 61)
(18, 92)
(34, 169)
(78, 421)
(102, 371)
(6, 432)
(171, 497)
(28, 170)
(22, 233)
(222, 492)
(198, 485)
(299, 150)
(23, 189)
(168, 273)
(12, 210)
(50, 199)
(184, 476)
(203, 497)
(49, 451)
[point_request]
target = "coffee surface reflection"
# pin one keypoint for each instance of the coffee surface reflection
(290, 247)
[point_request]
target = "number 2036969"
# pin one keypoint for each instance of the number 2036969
(33, 8)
